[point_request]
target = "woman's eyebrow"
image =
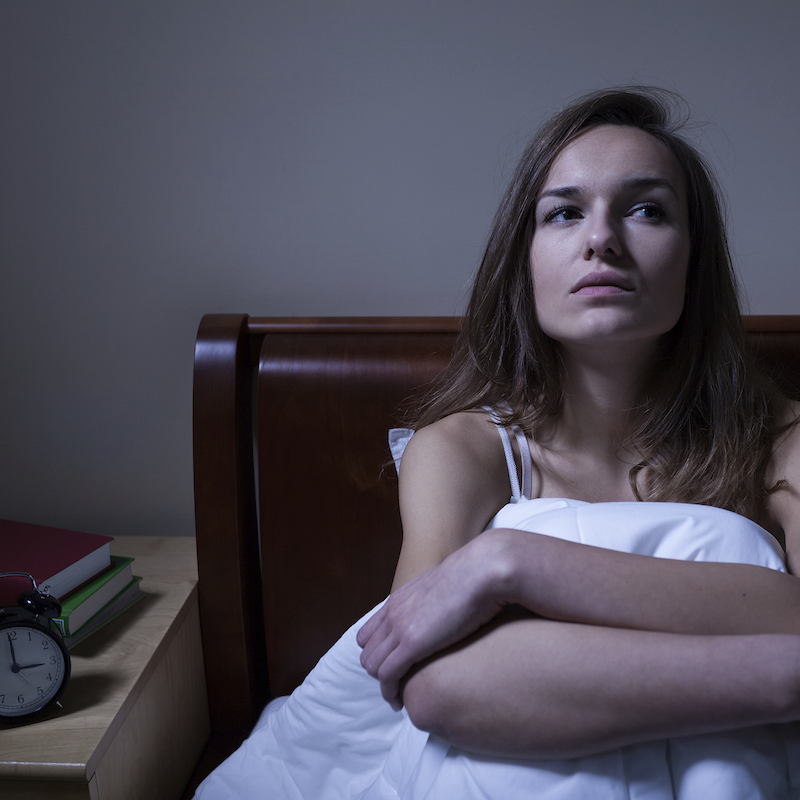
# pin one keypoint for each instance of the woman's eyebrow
(639, 183)
(648, 182)
(562, 191)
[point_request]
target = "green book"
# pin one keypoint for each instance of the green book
(78, 607)
(129, 596)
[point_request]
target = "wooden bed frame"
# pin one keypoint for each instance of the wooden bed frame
(296, 508)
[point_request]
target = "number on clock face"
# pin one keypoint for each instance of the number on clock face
(33, 670)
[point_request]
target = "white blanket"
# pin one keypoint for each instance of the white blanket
(335, 738)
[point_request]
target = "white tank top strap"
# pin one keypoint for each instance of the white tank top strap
(517, 494)
(525, 457)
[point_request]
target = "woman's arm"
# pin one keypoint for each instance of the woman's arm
(784, 505)
(453, 481)
(574, 582)
(569, 582)
(532, 688)
(539, 688)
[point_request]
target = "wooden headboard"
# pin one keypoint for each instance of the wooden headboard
(296, 510)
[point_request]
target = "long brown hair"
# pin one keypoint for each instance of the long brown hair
(705, 426)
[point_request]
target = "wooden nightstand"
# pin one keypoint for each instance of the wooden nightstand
(135, 713)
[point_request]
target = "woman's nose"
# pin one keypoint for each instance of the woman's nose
(602, 239)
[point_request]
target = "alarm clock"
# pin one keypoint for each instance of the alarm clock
(34, 661)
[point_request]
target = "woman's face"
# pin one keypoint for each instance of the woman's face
(610, 250)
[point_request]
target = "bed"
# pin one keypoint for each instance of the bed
(296, 509)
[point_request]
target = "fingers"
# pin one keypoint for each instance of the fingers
(366, 631)
(391, 672)
(385, 654)
(374, 640)
(382, 655)
(376, 651)
(430, 612)
(379, 659)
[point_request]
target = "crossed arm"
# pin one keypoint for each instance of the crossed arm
(511, 643)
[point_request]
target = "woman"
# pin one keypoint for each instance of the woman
(604, 332)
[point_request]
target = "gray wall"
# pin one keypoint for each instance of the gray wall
(161, 160)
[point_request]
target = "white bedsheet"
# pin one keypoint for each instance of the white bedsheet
(335, 737)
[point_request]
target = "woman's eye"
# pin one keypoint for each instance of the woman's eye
(564, 214)
(648, 211)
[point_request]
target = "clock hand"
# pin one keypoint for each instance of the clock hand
(13, 655)
(30, 666)
(16, 670)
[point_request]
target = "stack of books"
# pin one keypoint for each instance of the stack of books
(78, 569)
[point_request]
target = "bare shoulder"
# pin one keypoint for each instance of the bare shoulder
(466, 434)
(786, 453)
(453, 480)
(784, 504)
(461, 455)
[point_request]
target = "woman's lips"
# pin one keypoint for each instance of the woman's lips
(605, 289)
(602, 283)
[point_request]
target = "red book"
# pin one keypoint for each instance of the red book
(58, 559)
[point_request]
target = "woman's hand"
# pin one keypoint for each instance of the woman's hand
(436, 609)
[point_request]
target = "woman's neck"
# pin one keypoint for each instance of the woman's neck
(600, 394)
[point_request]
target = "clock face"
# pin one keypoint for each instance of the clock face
(34, 668)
